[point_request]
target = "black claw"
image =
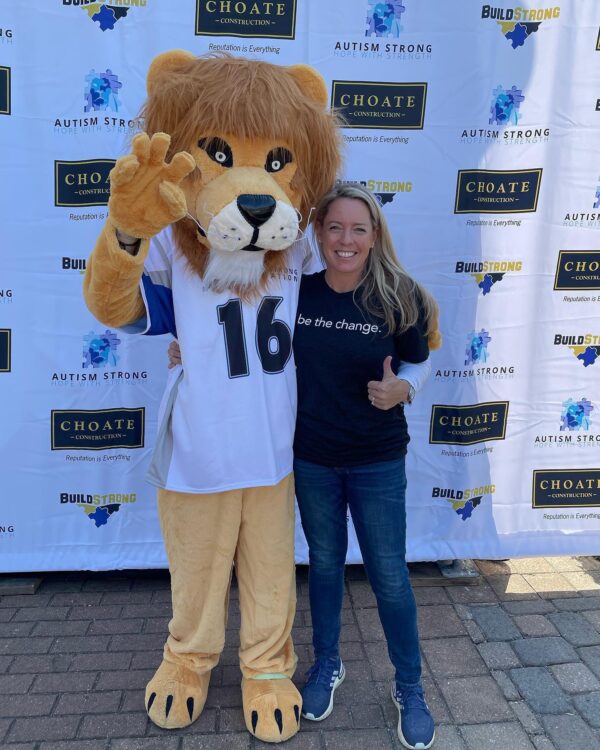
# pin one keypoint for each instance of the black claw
(150, 701)
(297, 713)
(279, 720)
(190, 707)
(169, 704)
(254, 720)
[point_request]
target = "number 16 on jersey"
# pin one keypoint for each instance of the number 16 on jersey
(273, 337)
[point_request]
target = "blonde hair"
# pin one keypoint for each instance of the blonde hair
(386, 289)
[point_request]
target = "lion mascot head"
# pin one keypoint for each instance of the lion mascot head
(265, 148)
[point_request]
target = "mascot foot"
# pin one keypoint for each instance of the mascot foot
(176, 695)
(271, 709)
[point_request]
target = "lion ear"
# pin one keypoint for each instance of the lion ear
(311, 83)
(165, 63)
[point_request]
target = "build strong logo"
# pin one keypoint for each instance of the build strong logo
(584, 347)
(99, 509)
(464, 501)
(486, 274)
(106, 14)
(518, 24)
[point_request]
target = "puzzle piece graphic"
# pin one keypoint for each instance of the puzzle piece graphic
(467, 510)
(101, 514)
(107, 15)
(476, 350)
(485, 281)
(589, 355)
(505, 105)
(517, 36)
(101, 91)
(99, 350)
(575, 415)
(383, 19)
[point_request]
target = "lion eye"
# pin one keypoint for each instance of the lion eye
(277, 158)
(218, 150)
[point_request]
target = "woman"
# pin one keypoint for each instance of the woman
(357, 320)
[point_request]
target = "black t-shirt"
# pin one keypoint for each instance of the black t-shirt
(338, 349)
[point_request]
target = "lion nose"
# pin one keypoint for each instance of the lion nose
(256, 209)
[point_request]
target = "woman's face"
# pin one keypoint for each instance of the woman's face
(346, 236)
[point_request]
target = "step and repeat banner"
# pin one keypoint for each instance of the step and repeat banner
(477, 125)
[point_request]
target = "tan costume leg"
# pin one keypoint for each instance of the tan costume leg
(266, 576)
(203, 534)
(200, 534)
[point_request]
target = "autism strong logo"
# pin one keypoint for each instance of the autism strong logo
(99, 350)
(504, 108)
(576, 415)
(597, 199)
(476, 350)
(383, 19)
(518, 24)
(101, 91)
(105, 14)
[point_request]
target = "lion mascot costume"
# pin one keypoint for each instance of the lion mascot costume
(202, 242)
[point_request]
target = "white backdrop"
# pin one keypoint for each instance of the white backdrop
(478, 126)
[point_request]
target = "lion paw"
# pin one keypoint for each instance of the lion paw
(175, 696)
(271, 709)
(145, 192)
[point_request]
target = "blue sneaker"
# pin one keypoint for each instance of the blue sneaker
(415, 725)
(317, 695)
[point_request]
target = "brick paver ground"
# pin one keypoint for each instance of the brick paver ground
(513, 662)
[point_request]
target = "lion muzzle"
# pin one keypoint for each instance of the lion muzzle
(253, 222)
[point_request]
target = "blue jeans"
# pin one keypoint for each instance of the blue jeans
(375, 494)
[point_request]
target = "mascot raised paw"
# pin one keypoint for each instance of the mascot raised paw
(203, 242)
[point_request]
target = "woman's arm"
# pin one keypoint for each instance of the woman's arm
(174, 354)
(415, 375)
(394, 389)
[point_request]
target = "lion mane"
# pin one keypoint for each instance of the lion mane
(219, 96)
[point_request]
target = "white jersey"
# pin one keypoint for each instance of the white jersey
(227, 417)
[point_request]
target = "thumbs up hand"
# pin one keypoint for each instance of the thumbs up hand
(389, 391)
